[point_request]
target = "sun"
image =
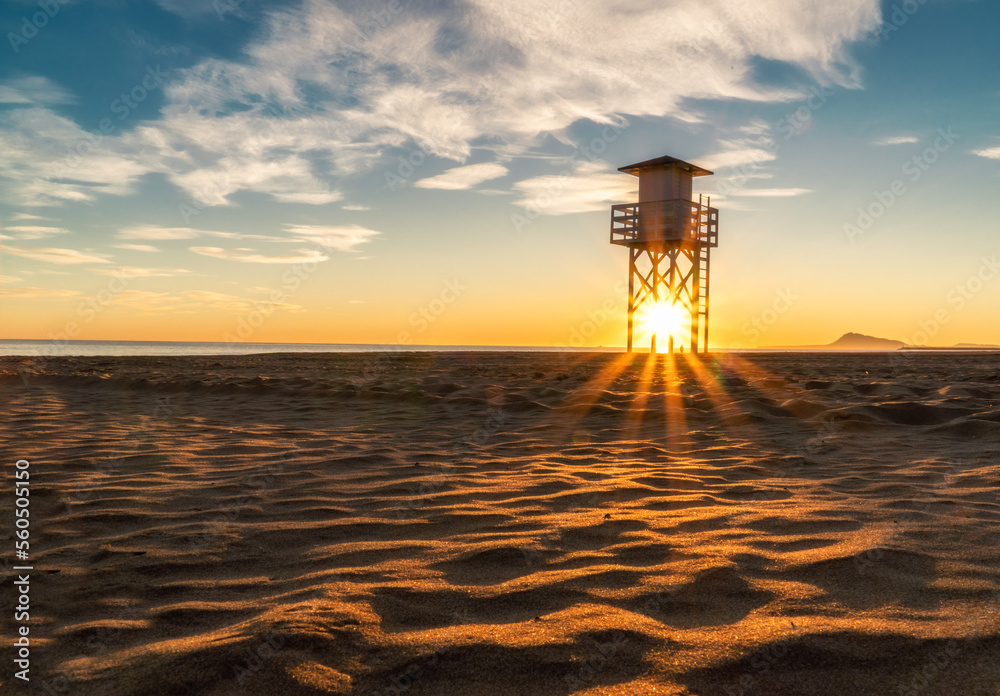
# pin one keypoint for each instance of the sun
(665, 320)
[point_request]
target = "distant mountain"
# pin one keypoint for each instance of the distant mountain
(852, 341)
(855, 341)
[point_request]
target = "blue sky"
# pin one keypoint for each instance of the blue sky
(441, 172)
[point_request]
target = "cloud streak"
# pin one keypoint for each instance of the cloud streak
(251, 256)
(148, 248)
(37, 293)
(896, 140)
(467, 177)
(988, 153)
(27, 232)
(157, 233)
(139, 272)
(740, 155)
(771, 192)
(33, 89)
(340, 238)
(55, 255)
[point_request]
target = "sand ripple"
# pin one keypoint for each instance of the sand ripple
(511, 523)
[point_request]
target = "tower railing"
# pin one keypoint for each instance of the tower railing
(676, 220)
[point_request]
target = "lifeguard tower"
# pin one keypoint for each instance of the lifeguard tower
(669, 237)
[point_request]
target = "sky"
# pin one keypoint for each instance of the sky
(441, 171)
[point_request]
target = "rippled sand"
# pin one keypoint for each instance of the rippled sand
(509, 524)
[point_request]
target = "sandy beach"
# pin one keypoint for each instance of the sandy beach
(508, 523)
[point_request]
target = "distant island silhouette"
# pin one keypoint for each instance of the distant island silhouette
(856, 341)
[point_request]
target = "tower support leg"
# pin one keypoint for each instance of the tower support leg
(631, 296)
(696, 298)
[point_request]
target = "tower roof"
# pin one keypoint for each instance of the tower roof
(664, 162)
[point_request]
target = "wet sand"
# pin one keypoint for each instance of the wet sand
(508, 523)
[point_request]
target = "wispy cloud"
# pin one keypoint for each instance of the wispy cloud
(256, 158)
(251, 256)
(309, 197)
(466, 177)
(53, 255)
(341, 238)
(8, 279)
(33, 89)
(37, 293)
(155, 232)
(139, 272)
(355, 207)
(741, 155)
(588, 186)
(989, 152)
(756, 127)
(771, 192)
(28, 232)
(896, 140)
(48, 159)
(137, 247)
(158, 233)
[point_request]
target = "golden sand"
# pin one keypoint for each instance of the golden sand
(503, 523)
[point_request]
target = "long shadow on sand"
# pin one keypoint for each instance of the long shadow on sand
(854, 663)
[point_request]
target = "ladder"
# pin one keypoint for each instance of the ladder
(704, 249)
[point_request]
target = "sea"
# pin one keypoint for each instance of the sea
(67, 348)
(58, 348)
